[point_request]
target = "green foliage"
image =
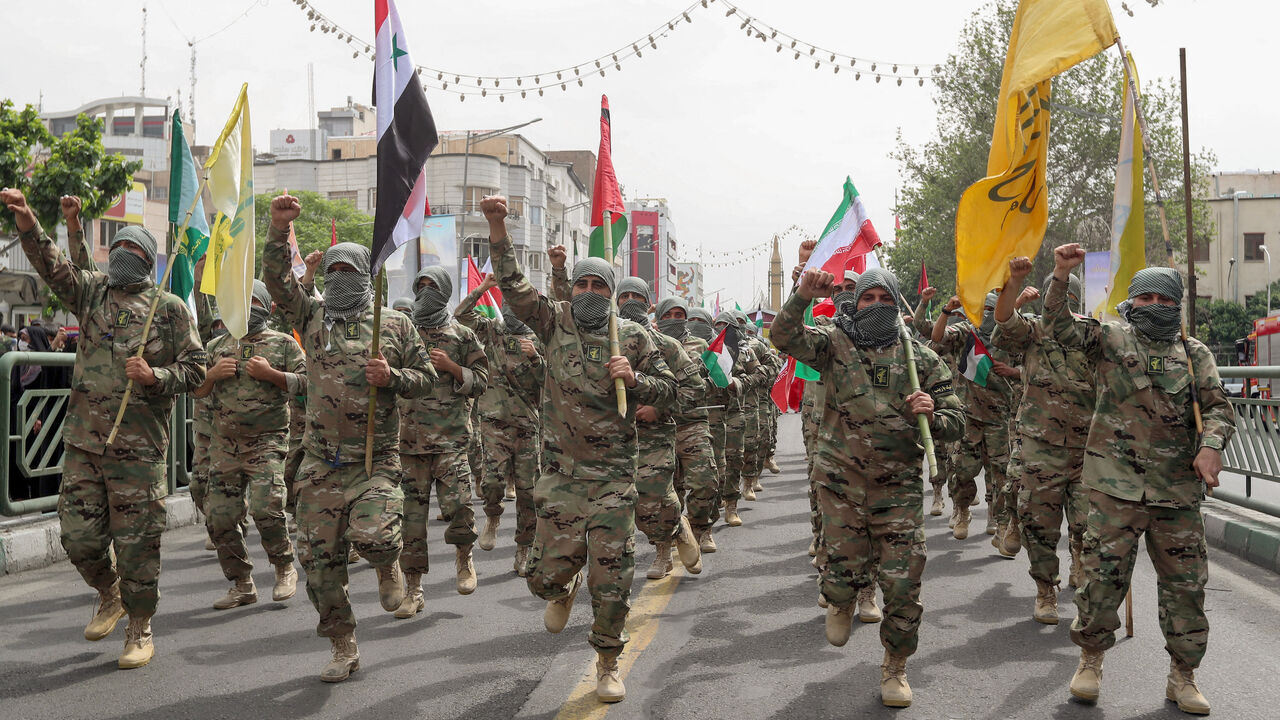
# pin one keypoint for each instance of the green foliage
(1222, 321)
(74, 164)
(312, 227)
(1086, 103)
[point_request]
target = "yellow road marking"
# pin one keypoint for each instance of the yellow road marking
(642, 625)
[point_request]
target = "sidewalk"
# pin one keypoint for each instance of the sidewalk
(1245, 533)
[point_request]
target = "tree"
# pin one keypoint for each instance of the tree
(1222, 322)
(45, 168)
(1084, 142)
(313, 228)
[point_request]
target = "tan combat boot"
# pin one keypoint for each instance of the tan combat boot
(813, 547)
(995, 529)
(286, 582)
(1010, 539)
(556, 616)
(209, 544)
(894, 690)
(241, 592)
(822, 601)
(510, 492)
(839, 624)
(661, 566)
(1182, 690)
(489, 537)
(414, 601)
(138, 648)
(955, 514)
(748, 489)
(1076, 577)
(521, 564)
(346, 659)
(961, 529)
(867, 610)
(938, 505)
(109, 612)
(756, 486)
(772, 465)
(687, 547)
(1046, 611)
(707, 541)
(466, 570)
(1087, 682)
(390, 586)
(353, 557)
(731, 517)
(609, 687)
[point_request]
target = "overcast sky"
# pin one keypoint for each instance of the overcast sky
(743, 141)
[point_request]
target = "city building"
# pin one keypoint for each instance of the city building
(649, 252)
(1245, 208)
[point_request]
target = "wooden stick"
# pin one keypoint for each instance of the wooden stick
(374, 352)
(606, 234)
(926, 435)
(151, 314)
(1128, 612)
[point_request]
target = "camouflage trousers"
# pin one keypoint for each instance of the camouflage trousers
(510, 451)
(114, 500)
(715, 425)
(450, 474)
(945, 454)
(580, 519)
(735, 431)
(252, 469)
(657, 505)
(985, 446)
(855, 537)
(292, 461)
(1049, 488)
(337, 505)
(752, 450)
(695, 478)
(475, 459)
(199, 482)
(768, 418)
(808, 429)
(1176, 546)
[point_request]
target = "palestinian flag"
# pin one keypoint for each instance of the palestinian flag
(406, 136)
(606, 197)
(720, 356)
(848, 238)
(975, 363)
(489, 304)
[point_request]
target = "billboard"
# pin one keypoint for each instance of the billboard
(130, 207)
(298, 144)
(689, 281)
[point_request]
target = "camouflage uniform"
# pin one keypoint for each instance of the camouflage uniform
(748, 374)
(338, 501)
(586, 494)
(867, 465)
(1137, 469)
(658, 505)
(435, 430)
(114, 496)
(297, 424)
(945, 453)
(509, 414)
(246, 457)
(696, 468)
(1053, 424)
(202, 410)
(755, 404)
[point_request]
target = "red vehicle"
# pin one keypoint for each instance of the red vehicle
(1260, 348)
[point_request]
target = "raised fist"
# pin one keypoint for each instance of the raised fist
(1019, 268)
(557, 255)
(284, 210)
(1066, 257)
(70, 207)
(816, 284)
(494, 208)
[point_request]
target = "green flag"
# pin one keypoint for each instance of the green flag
(183, 186)
(596, 246)
(804, 372)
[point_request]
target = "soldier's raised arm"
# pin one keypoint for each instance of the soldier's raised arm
(59, 273)
(466, 311)
(920, 318)
(1014, 332)
(81, 253)
(277, 263)
(561, 288)
(534, 310)
(1057, 319)
(789, 333)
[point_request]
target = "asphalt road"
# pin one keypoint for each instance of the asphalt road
(742, 640)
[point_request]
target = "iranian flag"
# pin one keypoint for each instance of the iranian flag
(975, 363)
(406, 136)
(847, 239)
(825, 308)
(490, 303)
(720, 356)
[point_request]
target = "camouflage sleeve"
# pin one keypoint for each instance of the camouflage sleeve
(953, 340)
(467, 315)
(560, 287)
(475, 367)
(60, 274)
(1064, 327)
(1215, 409)
(808, 345)
(416, 375)
(204, 315)
(1014, 335)
(920, 321)
(657, 385)
(295, 368)
(528, 304)
(948, 412)
(758, 375)
(690, 388)
(81, 253)
(277, 273)
(188, 369)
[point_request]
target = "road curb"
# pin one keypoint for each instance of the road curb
(36, 544)
(1245, 533)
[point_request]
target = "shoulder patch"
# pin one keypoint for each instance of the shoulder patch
(1155, 365)
(122, 318)
(246, 351)
(351, 329)
(943, 388)
(880, 376)
(594, 353)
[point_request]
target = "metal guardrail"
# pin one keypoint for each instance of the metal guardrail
(38, 453)
(1254, 451)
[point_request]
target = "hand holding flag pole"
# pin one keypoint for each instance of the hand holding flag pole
(614, 350)
(913, 375)
(380, 288)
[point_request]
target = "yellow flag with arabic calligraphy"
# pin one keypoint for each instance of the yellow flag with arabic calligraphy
(229, 265)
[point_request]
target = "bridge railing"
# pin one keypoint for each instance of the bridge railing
(31, 424)
(1254, 451)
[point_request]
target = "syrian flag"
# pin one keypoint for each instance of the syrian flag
(848, 238)
(489, 304)
(975, 363)
(606, 197)
(720, 356)
(788, 387)
(406, 136)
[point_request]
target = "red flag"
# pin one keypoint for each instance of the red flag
(825, 308)
(787, 388)
(333, 226)
(924, 279)
(605, 194)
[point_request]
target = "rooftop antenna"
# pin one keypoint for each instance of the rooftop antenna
(143, 65)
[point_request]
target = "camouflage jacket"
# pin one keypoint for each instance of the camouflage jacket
(337, 391)
(995, 403)
(111, 321)
(694, 346)
(243, 406)
(297, 403)
(921, 323)
(441, 419)
(867, 429)
(772, 361)
(690, 388)
(202, 408)
(1142, 438)
(582, 434)
(1057, 382)
(514, 394)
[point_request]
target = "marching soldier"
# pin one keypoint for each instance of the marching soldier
(748, 374)
(1145, 468)
(718, 401)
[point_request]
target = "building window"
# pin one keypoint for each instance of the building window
(337, 154)
(535, 215)
(1253, 243)
(373, 199)
(109, 230)
(1201, 246)
(478, 249)
(347, 196)
(535, 261)
(642, 263)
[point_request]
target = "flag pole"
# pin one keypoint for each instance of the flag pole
(606, 234)
(155, 301)
(374, 352)
(913, 375)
